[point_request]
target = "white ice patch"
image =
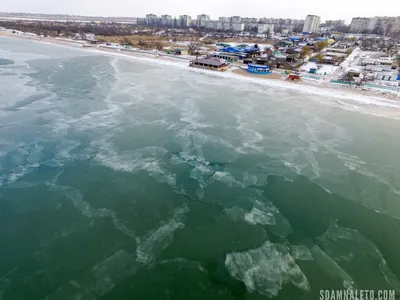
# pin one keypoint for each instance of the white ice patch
(144, 159)
(160, 238)
(192, 115)
(262, 213)
(226, 178)
(206, 175)
(266, 269)
(352, 162)
(24, 159)
(84, 207)
(257, 216)
(301, 252)
(251, 139)
(154, 169)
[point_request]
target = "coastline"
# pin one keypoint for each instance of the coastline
(275, 80)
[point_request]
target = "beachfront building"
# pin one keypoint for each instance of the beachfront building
(210, 63)
(226, 56)
(311, 23)
(258, 69)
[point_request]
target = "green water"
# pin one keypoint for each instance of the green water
(125, 179)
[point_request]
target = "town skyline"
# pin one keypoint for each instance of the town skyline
(343, 10)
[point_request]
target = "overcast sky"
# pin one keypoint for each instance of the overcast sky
(327, 9)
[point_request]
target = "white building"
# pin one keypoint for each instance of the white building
(218, 25)
(263, 28)
(237, 26)
(236, 19)
(226, 26)
(396, 26)
(89, 36)
(202, 20)
(372, 24)
(185, 21)
(358, 25)
(311, 23)
(210, 24)
(250, 20)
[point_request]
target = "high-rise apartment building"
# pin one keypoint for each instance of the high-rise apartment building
(202, 20)
(184, 21)
(311, 23)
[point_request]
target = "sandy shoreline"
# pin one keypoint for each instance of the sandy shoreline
(273, 80)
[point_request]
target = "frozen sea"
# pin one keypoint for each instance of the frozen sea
(128, 179)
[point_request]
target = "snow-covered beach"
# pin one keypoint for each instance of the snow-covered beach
(308, 85)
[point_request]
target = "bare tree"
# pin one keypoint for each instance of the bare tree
(193, 48)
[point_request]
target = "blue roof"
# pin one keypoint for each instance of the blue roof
(259, 66)
(250, 49)
(294, 38)
(322, 39)
(231, 49)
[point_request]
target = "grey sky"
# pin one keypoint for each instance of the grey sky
(327, 9)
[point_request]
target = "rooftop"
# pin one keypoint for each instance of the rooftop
(209, 61)
(259, 66)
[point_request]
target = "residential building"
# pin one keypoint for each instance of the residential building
(359, 25)
(141, 21)
(237, 26)
(236, 19)
(202, 20)
(223, 19)
(372, 24)
(218, 25)
(311, 23)
(333, 24)
(296, 26)
(151, 20)
(396, 26)
(184, 21)
(263, 28)
(266, 21)
(385, 24)
(166, 20)
(226, 26)
(210, 24)
(249, 20)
